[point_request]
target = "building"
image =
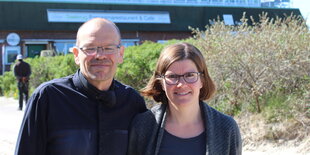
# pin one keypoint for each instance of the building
(30, 26)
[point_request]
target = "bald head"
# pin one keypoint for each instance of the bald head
(96, 27)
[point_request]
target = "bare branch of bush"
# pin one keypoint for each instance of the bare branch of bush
(249, 62)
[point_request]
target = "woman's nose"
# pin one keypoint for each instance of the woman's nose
(181, 82)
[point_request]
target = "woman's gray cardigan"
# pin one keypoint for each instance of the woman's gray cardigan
(222, 132)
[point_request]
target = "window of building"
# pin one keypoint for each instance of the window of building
(62, 47)
(130, 42)
(11, 53)
(228, 19)
(162, 41)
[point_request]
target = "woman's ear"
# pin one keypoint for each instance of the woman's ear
(162, 85)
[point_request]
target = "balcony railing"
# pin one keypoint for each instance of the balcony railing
(242, 3)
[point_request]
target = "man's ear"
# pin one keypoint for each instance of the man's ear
(121, 54)
(75, 52)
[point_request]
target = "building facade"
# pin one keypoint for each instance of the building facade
(30, 26)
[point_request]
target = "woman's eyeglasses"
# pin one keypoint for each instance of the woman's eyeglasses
(173, 79)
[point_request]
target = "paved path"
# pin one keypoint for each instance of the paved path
(10, 120)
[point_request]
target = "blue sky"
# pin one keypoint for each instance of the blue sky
(304, 7)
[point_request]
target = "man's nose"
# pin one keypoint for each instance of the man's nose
(100, 53)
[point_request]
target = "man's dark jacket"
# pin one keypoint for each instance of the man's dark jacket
(68, 116)
(222, 132)
(22, 69)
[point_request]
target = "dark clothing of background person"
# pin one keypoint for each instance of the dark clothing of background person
(22, 72)
(69, 116)
(222, 132)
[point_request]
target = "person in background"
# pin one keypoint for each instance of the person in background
(22, 72)
(183, 123)
(89, 112)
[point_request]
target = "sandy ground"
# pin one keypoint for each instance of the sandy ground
(10, 120)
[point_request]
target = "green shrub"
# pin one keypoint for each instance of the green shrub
(48, 68)
(139, 64)
(43, 69)
(8, 85)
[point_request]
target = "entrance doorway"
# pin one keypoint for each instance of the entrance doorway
(35, 49)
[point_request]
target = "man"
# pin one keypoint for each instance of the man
(22, 72)
(87, 113)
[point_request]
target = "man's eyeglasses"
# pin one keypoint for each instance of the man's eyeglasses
(173, 79)
(111, 49)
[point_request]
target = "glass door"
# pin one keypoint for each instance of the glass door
(35, 49)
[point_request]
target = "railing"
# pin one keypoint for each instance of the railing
(242, 3)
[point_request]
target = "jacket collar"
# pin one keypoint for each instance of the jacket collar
(160, 112)
(106, 97)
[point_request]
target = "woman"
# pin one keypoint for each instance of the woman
(183, 123)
